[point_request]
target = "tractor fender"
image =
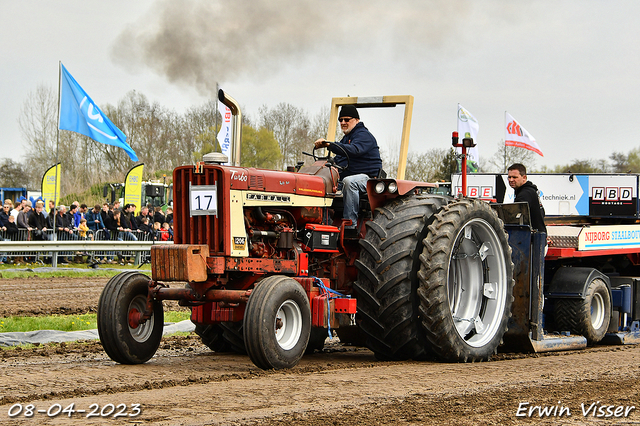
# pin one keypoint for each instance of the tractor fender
(402, 187)
(573, 282)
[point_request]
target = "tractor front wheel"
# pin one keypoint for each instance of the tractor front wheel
(277, 323)
(123, 337)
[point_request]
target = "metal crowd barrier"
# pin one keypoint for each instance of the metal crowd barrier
(98, 247)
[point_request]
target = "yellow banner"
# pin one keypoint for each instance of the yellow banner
(51, 185)
(133, 187)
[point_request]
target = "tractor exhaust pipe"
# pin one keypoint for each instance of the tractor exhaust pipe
(237, 125)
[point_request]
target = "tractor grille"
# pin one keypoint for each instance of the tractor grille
(256, 182)
(189, 229)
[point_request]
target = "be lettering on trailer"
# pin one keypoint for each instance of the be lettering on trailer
(609, 237)
(484, 192)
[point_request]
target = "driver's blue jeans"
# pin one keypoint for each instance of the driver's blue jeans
(352, 187)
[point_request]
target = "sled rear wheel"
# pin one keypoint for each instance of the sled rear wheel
(588, 317)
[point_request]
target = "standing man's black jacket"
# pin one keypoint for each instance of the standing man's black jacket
(37, 220)
(12, 231)
(529, 193)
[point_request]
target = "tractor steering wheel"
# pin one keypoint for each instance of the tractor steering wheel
(330, 159)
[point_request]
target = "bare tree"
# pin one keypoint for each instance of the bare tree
(620, 162)
(197, 131)
(290, 125)
(580, 166)
(14, 175)
(507, 155)
(436, 164)
(37, 123)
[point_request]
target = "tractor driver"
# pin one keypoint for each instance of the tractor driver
(364, 160)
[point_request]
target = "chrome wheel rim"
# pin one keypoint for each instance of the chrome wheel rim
(288, 324)
(477, 283)
(597, 311)
(143, 331)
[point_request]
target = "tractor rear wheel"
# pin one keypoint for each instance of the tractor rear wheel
(212, 336)
(277, 323)
(466, 282)
(123, 339)
(232, 333)
(387, 284)
(588, 317)
(316, 340)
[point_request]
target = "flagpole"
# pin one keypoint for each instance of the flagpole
(457, 126)
(55, 187)
(504, 161)
(216, 115)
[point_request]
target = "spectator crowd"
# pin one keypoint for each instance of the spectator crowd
(26, 222)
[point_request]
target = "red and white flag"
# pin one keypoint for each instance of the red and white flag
(516, 135)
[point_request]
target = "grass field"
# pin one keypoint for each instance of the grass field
(72, 270)
(67, 322)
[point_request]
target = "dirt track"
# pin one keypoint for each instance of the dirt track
(185, 383)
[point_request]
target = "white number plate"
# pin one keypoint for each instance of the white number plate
(203, 200)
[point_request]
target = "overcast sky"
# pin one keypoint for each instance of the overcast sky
(568, 71)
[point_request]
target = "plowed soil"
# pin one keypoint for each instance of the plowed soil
(187, 384)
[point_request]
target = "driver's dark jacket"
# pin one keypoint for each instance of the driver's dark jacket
(363, 151)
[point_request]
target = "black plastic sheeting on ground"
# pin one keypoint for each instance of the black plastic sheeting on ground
(47, 336)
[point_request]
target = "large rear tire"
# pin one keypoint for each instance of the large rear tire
(232, 333)
(466, 282)
(277, 323)
(212, 336)
(124, 296)
(588, 317)
(317, 337)
(221, 337)
(387, 283)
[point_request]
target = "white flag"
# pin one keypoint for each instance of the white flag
(224, 135)
(468, 128)
(516, 135)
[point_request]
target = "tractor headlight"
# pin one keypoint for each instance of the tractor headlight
(393, 187)
(379, 188)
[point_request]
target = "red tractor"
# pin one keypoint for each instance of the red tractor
(261, 259)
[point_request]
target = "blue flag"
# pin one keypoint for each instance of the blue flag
(80, 114)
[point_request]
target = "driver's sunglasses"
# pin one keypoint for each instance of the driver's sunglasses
(346, 120)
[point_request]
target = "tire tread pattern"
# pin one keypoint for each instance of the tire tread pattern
(386, 285)
(114, 334)
(434, 308)
(574, 315)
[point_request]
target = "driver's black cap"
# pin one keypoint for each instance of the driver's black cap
(349, 111)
